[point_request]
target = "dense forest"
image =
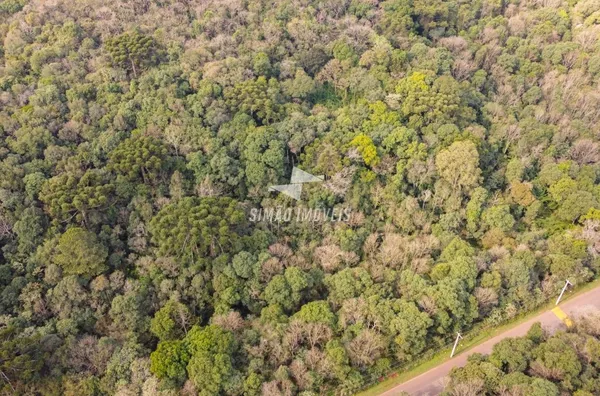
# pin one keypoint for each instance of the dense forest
(137, 135)
(535, 365)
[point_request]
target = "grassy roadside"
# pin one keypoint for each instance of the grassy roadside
(430, 361)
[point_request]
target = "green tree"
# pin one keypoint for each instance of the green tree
(521, 193)
(557, 356)
(458, 165)
(498, 217)
(79, 252)
(411, 328)
(576, 204)
(68, 196)
(259, 98)
(211, 367)
(542, 387)
(475, 208)
(285, 290)
(347, 283)
(21, 358)
(262, 64)
(29, 229)
(477, 373)
(366, 148)
(512, 354)
(132, 51)
(172, 321)
(316, 312)
(264, 155)
(424, 99)
(170, 360)
(301, 86)
(456, 308)
(192, 228)
(138, 156)
(129, 313)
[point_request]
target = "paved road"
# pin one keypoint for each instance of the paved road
(433, 381)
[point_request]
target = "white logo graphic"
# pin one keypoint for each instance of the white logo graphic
(294, 189)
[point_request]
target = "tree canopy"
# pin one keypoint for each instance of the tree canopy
(145, 250)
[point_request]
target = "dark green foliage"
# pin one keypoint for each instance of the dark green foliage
(265, 157)
(211, 367)
(260, 98)
(138, 157)
(197, 227)
(536, 364)
(68, 197)
(21, 358)
(132, 51)
(512, 354)
(79, 252)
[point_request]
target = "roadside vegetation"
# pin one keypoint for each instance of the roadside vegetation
(538, 364)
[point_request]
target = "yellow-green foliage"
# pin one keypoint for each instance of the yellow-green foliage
(366, 148)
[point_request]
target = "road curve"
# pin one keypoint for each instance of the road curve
(432, 382)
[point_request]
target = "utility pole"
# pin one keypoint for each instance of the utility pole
(567, 284)
(458, 337)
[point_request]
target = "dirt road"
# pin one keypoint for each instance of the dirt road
(432, 382)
